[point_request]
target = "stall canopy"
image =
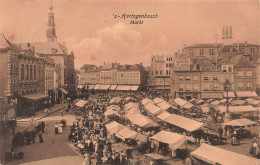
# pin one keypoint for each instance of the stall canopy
(147, 101)
(36, 97)
(157, 100)
(126, 133)
(214, 155)
(240, 122)
(238, 102)
(153, 109)
(238, 109)
(110, 112)
(165, 105)
(81, 103)
(131, 105)
(114, 127)
(124, 88)
(133, 110)
(114, 107)
(230, 94)
(163, 115)
(187, 106)
(183, 122)
(180, 101)
(216, 102)
(173, 139)
(200, 101)
(140, 120)
(205, 109)
(91, 86)
(246, 94)
(112, 87)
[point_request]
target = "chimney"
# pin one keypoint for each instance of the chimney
(227, 32)
(245, 43)
(230, 35)
(223, 33)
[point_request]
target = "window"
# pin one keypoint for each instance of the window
(249, 74)
(161, 72)
(166, 65)
(167, 72)
(22, 72)
(224, 68)
(201, 51)
(215, 78)
(215, 87)
(181, 87)
(192, 52)
(206, 86)
(195, 87)
(156, 72)
(229, 69)
(27, 72)
(241, 50)
(252, 50)
(240, 74)
(31, 72)
(240, 85)
(206, 77)
(188, 87)
(211, 51)
(248, 85)
(187, 77)
(152, 72)
(195, 78)
(181, 77)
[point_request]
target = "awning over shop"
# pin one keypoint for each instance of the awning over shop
(36, 97)
(81, 103)
(240, 122)
(212, 95)
(123, 88)
(103, 87)
(173, 139)
(91, 86)
(163, 115)
(114, 127)
(112, 87)
(134, 88)
(141, 120)
(96, 86)
(157, 100)
(246, 94)
(180, 101)
(214, 155)
(147, 101)
(183, 122)
(238, 109)
(63, 90)
(230, 94)
(153, 109)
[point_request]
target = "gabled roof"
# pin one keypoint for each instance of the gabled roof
(212, 45)
(203, 61)
(158, 58)
(86, 66)
(226, 48)
(138, 67)
(241, 62)
(46, 48)
(110, 66)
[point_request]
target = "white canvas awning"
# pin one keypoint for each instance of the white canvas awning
(114, 107)
(147, 101)
(211, 95)
(103, 87)
(157, 100)
(96, 86)
(126, 133)
(173, 139)
(238, 102)
(134, 88)
(238, 109)
(187, 106)
(205, 109)
(110, 112)
(91, 86)
(123, 88)
(214, 155)
(114, 127)
(112, 87)
(183, 122)
(240, 122)
(153, 109)
(246, 94)
(140, 120)
(131, 105)
(180, 101)
(216, 102)
(115, 100)
(165, 105)
(163, 115)
(81, 103)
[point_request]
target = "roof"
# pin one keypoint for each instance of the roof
(240, 122)
(109, 66)
(246, 94)
(203, 61)
(126, 133)
(158, 58)
(240, 61)
(180, 101)
(238, 109)
(153, 109)
(140, 120)
(211, 45)
(114, 127)
(5, 43)
(46, 48)
(214, 155)
(163, 115)
(86, 66)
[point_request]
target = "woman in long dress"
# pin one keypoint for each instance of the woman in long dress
(60, 128)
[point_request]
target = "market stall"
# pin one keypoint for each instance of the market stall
(114, 127)
(152, 109)
(214, 155)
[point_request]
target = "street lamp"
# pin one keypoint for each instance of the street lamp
(227, 114)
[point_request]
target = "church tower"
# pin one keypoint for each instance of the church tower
(51, 32)
(227, 36)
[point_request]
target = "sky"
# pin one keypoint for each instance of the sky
(89, 29)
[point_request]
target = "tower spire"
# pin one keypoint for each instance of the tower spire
(51, 31)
